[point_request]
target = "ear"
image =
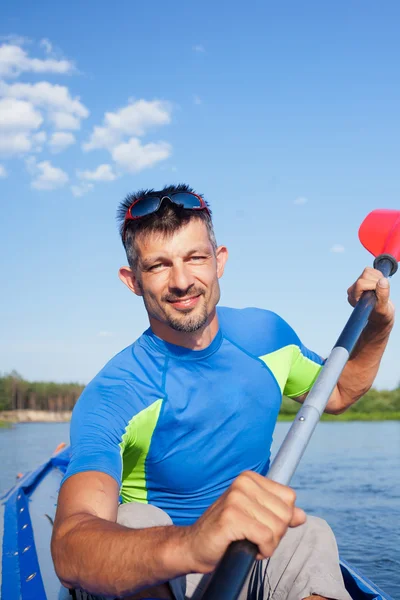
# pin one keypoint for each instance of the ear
(222, 257)
(128, 277)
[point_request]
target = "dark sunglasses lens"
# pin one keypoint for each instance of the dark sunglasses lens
(186, 200)
(145, 207)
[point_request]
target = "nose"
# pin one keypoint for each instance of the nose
(181, 278)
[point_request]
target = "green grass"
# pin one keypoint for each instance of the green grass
(352, 416)
(4, 424)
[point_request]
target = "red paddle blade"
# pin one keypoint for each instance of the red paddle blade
(379, 233)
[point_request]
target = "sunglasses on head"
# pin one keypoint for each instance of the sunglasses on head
(151, 204)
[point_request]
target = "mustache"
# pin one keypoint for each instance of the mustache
(178, 294)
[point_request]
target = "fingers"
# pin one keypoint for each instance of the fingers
(265, 537)
(299, 517)
(253, 508)
(372, 279)
(276, 497)
(368, 280)
(267, 510)
(382, 295)
(259, 525)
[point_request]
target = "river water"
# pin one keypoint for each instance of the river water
(349, 475)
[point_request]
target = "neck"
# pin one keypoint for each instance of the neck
(197, 340)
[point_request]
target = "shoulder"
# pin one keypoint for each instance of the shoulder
(256, 329)
(127, 384)
(251, 316)
(137, 363)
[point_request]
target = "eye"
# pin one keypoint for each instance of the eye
(198, 258)
(155, 267)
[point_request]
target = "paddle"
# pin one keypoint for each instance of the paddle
(380, 234)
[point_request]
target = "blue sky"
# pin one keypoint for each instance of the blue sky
(285, 115)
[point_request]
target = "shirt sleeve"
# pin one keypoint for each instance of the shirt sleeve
(305, 367)
(97, 429)
(267, 336)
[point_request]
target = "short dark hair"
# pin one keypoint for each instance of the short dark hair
(167, 220)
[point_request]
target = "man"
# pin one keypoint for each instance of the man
(178, 427)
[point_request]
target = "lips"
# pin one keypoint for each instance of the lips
(185, 302)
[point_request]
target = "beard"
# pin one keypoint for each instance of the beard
(184, 321)
(187, 322)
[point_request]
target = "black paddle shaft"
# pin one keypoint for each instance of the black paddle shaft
(230, 575)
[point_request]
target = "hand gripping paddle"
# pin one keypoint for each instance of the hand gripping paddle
(380, 234)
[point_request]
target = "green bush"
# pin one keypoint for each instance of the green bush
(375, 405)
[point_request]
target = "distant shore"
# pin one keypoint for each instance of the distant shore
(8, 417)
(352, 416)
(35, 416)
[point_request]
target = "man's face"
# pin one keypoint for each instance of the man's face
(178, 276)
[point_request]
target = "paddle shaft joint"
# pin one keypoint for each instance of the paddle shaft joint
(382, 259)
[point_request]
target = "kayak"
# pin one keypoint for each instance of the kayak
(27, 513)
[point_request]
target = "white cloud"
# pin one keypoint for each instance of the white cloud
(134, 119)
(3, 172)
(31, 165)
(18, 115)
(102, 173)
(64, 120)
(14, 143)
(38, 139)
(301, 200)
(26, 108)
(53, 97)
(14, 60)
(197, 100)
(15, 40)
(60, 140)
(134, 157)
(337, 248)
(33, 115)
(46, 45)
(47, 177)
(18, 120)
(199, 48)
(81, 189)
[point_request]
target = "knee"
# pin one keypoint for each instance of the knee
(140, 516)
(316, 528)
(317, 524)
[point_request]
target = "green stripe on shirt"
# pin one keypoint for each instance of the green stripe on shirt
(134, 449)
(294, 372)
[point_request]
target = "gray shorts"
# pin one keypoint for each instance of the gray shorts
(306, 562)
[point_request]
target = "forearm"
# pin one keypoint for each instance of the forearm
(106, 558)
(360, 371)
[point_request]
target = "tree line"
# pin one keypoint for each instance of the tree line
(17, 393)
(375, 402)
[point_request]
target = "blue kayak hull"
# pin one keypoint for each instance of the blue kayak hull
(26, 515)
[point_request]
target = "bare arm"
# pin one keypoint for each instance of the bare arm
(90, 550)
(360, 371)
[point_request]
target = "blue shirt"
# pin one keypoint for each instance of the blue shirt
(174, 427)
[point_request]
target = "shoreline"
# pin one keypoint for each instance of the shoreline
(8, 417)
(35, 416)
(351, 417)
